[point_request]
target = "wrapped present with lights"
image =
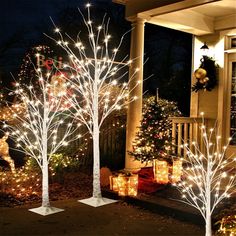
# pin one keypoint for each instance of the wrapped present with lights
(114, 183)
(128, 185)
(176, 171)
(161, 171)
(124, 184)
(165, 172)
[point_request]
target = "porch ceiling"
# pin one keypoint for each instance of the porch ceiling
(197, 17)
(197, 20)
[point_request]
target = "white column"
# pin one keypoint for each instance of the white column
(134, 113)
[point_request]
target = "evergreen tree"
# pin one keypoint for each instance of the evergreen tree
(153, 141)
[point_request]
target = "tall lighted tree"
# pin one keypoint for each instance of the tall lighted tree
(94, 73)
(210, 176)
(40, 128)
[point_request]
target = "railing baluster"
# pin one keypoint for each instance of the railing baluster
(190, 136)
(185, 136)
(188, 131)
(200, 136)
(179, 138)
(174, 137)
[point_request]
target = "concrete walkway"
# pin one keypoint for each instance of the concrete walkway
(79, 219)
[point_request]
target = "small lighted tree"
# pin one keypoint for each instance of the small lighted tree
(36, 128)
(209, 176)
(153, 140)
(94, 74)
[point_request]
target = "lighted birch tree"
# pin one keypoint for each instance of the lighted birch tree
(209, 175)
(94, 74)
(40, 128)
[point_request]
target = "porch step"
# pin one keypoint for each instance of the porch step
(161, 203)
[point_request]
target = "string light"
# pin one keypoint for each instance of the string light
(124, 184)
(93, 82)
(207, 175)
(88, 5)
(34, 128)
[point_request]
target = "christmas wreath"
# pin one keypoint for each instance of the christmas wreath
(206, 75)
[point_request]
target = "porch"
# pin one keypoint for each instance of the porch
(211, 21)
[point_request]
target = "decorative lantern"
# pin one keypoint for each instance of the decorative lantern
(114, 183)
(176, 171)
(128, 185)
(161, 171)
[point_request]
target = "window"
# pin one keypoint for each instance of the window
(233, 105)
(233, 43)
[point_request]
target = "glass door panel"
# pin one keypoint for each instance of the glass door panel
(233, 105)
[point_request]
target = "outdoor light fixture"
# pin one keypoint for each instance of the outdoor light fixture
(204, 49)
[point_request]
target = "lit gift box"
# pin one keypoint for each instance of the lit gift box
(128, 185)
(161, 171)
(114, 183)
(176, 171)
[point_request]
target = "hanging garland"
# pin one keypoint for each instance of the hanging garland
(206, 75)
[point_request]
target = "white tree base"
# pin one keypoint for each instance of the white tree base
(96, 202)
(44, 211)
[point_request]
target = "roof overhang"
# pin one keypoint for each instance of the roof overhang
(122, 2)
(198, 17)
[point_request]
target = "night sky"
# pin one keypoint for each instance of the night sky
(27, 15)
(23, 23)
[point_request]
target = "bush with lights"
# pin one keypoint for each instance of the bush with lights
(153, 140)
(24, 183)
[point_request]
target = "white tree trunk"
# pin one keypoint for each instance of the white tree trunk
(45, 190)
(96, 163)
(208, 208)
(208, 225)
(45, 187)
(96, 153)
(208, 198)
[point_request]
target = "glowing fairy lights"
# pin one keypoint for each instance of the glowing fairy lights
(124, 184)
(93, 78)
(4, 153)
(35, 133)
(209, 175)
(161, 171)
(8, 113)
(23, 183)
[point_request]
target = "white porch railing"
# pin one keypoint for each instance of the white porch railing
(187, 130)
